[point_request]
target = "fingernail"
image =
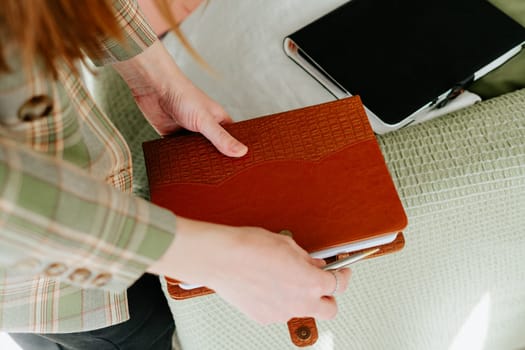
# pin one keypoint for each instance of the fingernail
(239, 149)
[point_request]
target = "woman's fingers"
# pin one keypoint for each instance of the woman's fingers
(221, 139)
(338, 281)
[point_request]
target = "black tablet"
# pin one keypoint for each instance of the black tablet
(404, 57)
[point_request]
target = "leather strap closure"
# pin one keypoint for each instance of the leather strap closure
(303, 331)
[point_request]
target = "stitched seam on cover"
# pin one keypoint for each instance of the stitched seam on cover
(259, 164)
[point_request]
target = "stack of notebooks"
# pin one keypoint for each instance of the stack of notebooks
(317, 172)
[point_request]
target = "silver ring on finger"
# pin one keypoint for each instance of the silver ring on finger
(336, 282)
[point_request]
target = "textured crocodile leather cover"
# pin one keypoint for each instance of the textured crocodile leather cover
(317, 172)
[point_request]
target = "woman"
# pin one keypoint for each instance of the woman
(73, 237)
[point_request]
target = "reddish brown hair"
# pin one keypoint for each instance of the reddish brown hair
(63, 30)
(55, 30)
(164, 7)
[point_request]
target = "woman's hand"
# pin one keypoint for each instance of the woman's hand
(169, 100)
(266, 276)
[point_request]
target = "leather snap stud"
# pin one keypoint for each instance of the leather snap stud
(36, 107)
(303, 333)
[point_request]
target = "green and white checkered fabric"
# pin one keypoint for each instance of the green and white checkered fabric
(73, 237)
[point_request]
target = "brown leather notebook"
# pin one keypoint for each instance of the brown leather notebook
(317, 172)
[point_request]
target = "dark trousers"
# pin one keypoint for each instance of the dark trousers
(150, 326)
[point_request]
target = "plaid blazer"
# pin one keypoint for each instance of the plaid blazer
(72, 236)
